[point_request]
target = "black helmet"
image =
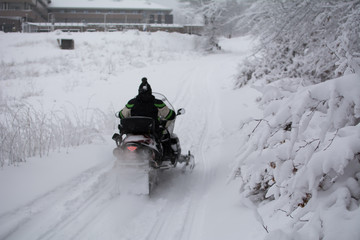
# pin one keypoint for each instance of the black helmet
(145, 87)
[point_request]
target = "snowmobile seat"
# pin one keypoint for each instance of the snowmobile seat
(137, 125)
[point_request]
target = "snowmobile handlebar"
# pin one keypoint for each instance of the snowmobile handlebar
(180, 111)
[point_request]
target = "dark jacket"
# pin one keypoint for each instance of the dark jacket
(148, 106)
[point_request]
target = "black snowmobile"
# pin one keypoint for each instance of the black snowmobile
(141, 144)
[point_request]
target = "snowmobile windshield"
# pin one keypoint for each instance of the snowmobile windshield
(162, 97)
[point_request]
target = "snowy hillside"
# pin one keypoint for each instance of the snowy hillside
(59, 180)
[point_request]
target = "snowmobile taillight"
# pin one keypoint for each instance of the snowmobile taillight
(131, 148)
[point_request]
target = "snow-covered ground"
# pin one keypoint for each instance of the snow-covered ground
(78, 192)
(300, 150)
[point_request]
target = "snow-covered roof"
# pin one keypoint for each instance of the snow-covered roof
(108, 4)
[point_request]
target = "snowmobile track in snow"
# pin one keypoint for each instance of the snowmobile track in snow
(44, 208)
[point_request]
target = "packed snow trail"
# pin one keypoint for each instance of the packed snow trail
(191, 205)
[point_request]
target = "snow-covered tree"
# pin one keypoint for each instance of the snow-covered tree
(219, 18)
(314, 40)
(305, 151)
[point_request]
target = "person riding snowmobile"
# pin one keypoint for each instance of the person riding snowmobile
(146, 105)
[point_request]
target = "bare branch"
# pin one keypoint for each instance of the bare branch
(331, 140)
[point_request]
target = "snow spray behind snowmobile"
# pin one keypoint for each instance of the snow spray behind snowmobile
(141, 145)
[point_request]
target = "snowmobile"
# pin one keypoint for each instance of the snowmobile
(142, 144)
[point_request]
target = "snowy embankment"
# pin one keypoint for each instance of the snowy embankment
(305, 155)
(79, 192)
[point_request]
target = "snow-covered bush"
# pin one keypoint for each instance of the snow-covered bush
(27, 131)
(307, 143)
(304, 154)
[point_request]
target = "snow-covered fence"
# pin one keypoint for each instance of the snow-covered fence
(26, 131)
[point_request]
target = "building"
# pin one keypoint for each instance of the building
(13, 13)
(81, 15)
(125, 11)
